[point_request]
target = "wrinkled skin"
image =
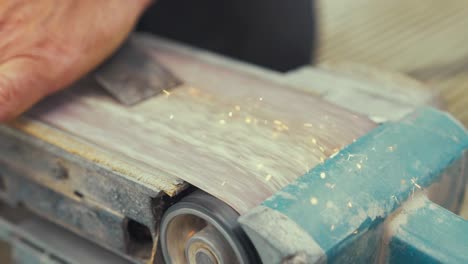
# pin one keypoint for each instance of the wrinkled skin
(47, 44)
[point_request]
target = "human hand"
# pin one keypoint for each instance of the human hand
(45, 45)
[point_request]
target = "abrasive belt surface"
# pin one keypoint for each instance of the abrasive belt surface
(235, 136)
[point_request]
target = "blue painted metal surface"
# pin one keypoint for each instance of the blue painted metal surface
(342, 202)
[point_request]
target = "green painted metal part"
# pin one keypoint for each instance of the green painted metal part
(428, 234)
(342, 206)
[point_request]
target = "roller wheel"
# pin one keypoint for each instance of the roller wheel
(200, 229)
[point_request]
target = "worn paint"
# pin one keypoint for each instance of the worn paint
(79, 194)
(428, 142)
(127, 167)
(34, 240)
(280, 240)
(424, 232)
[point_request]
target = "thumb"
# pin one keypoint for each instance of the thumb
(21, 86)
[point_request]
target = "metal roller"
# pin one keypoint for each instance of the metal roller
(200, 229)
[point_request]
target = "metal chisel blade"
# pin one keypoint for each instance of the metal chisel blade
(132, 74)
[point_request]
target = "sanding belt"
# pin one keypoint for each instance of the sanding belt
(234, 135)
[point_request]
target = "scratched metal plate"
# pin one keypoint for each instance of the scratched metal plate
(234, 135)
(131, 76)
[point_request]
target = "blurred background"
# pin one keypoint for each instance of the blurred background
(427, 40)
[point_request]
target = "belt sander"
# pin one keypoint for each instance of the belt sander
(188, 157)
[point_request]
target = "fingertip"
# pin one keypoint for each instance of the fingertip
(20, 88)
